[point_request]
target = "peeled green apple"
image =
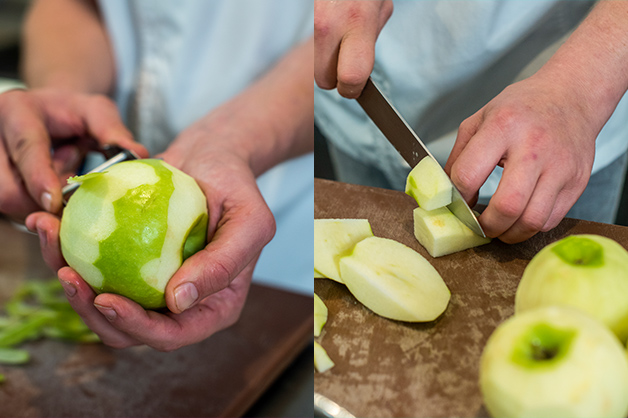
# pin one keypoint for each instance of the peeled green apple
(429, 185)
(394, 281)
(320, 315)
(334, 238)
(441, 233)
(554, 362)
(589, 272)
(129, 229)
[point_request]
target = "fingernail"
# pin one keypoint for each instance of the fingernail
(185, 296)
(46, 201)
(69, 288)
(107, 311)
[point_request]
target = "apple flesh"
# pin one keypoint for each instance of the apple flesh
(322, 361)
(554, 362)
(129, 229)
(320, 315)
(428, 184)
(394, 281)
(442, 233)
(588, 272)
(335, 238)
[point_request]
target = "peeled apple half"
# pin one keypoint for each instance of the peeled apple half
(129, 229)
(394, 281)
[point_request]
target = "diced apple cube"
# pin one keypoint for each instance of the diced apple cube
(335, 238)
(428, 184)
(394, 281)
(441, 233)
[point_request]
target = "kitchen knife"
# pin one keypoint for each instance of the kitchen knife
(408, 144)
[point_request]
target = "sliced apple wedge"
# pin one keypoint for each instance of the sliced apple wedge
(318, 275)
(320, 315)
(394, 281)
(322, 362)
(428, 184)
(335, 238)
(441, 233)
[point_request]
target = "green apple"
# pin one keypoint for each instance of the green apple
(442, 233)
(429, 185)
(589, 272)
(554, 361)
(394, 281)
(322, 361)
(334, 238)
(320, 315)
(129, 229)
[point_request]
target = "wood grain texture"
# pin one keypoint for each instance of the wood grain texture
(221, 376)
(387, 368)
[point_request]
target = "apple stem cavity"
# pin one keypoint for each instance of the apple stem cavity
(543, 345)
(580, 251)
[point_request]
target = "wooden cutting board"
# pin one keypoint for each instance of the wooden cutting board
(387, 368)
(221, 376)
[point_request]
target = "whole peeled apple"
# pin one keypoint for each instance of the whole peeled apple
(588, 272)
(554, 361)
(129, 229)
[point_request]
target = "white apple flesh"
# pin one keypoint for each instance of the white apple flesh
(394, 281)
(322, 361)
(589, 272)
(554, 362)
(320, 315)
(429, 185)
(335, 238)
(441, 233)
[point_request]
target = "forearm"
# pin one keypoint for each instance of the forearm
(593, 62)
(269, 122)
(65, 46)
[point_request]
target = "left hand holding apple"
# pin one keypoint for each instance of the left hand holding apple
(208, 292)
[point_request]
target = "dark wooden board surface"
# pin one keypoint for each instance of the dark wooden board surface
(387, 368)
(221, 376)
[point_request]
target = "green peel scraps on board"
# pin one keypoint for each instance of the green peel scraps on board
(37, 310)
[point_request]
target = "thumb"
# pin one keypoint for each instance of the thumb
(236, 245)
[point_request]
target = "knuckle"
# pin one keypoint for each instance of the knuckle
(532, 221)
(220, 273)
(510, 207)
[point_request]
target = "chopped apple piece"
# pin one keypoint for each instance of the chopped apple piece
(335, 238)
(394, 281)
(441, 233)
(320, 315)
(428, 184)
(318, 275)
(322, 362)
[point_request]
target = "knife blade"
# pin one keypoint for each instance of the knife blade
(409, 145)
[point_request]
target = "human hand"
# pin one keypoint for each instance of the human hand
(540, 132)
(32, 122)
(344, 37)
(240, 225)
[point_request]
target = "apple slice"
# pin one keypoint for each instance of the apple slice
(394, 281)
(320, 315)
(441, 233)
(335, 238)
(428, 184)
(322, 362)
(589, 272)
(318, 275)
(554, 362)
